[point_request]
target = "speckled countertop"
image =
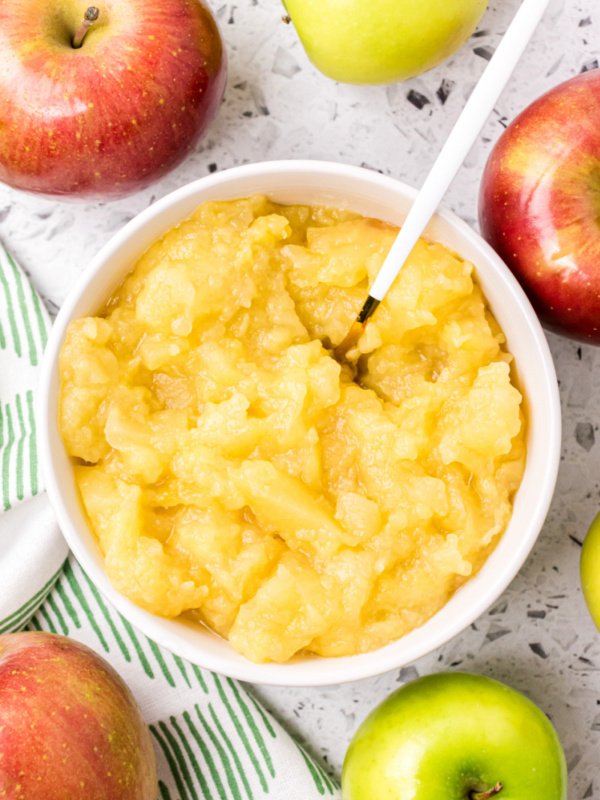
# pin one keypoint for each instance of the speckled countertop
(538, 636)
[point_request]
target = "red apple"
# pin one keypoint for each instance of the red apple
(539, 205)
(109, 117)
(69, 726)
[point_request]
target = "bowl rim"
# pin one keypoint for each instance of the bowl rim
(314, 671)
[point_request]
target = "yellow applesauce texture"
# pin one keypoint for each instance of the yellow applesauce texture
(234, 473)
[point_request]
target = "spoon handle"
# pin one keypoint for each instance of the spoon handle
(462, 137)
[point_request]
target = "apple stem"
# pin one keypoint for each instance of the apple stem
(90, 16)
(486, 795)
(287, 19)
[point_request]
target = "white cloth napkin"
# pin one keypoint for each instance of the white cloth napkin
(213, 740)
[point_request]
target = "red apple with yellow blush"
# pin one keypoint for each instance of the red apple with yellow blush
(539, 205)
(69, 726)
(98, 103)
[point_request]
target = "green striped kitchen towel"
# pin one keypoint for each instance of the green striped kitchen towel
(213, 740)
(29, 534)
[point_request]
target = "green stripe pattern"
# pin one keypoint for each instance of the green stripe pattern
(24, 328)
(214, 741)
(19, 618)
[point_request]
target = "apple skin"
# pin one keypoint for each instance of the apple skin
(111, 117)
(589, 570)
(69, 726)
(382, 41)
(539, 205)
(451, 735)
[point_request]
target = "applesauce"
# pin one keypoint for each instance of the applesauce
(234, 473)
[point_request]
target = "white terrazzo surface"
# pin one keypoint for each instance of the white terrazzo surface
(538, 637)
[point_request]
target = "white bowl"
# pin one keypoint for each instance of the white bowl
(374, 195)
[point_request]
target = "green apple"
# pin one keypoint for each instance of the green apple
(589, 570)
(382, 41)
(455, 736)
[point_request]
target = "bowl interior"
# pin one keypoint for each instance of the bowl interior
(373, 195)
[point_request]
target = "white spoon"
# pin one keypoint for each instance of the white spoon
(462, 137)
